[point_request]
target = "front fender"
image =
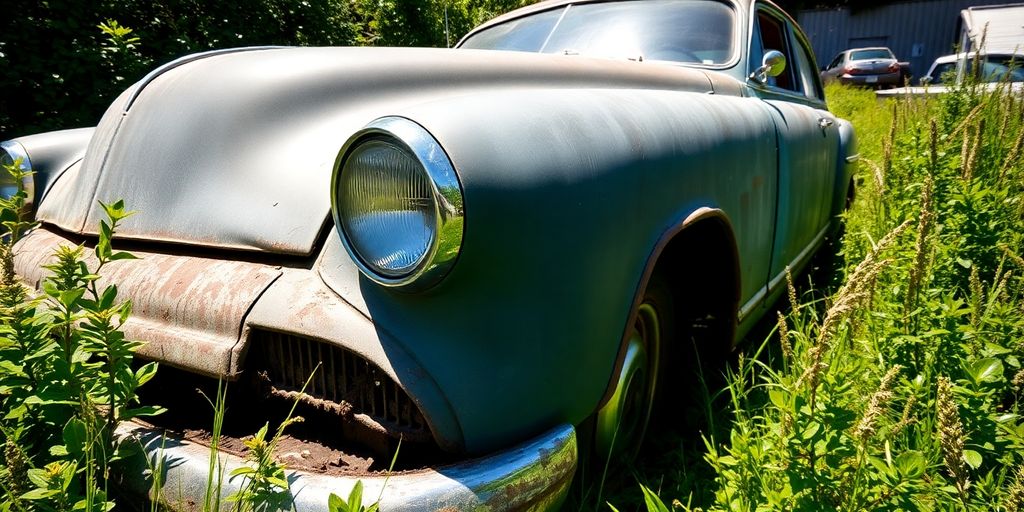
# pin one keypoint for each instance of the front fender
(562, 212)
(52, 153)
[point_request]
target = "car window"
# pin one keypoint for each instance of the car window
(944, 73)
(803, 66)
(689, 31)
(835, 62)
(772, 33)
(525, 34)
(879, 53)
(1002, 67)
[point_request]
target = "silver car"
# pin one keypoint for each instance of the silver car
(872, 67)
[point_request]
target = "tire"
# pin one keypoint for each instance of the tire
(621, 423)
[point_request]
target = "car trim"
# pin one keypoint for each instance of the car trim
(424, 147)
(800, 261)
(534, 474)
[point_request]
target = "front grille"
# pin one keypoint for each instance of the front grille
(349, 382)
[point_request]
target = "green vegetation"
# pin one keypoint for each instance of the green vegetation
(63, 61)
(900, 391)
(66, 373)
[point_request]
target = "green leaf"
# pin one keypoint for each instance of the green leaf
(973, 458)
(985, 370)
(69, 298)
(75, 436)
(653, 502)
(121, 255)
(778, 397)
(355, 498)
(108, 297)
(336, 504)
(38, 494)
(38, 478)
(911, 464)
(145, 373)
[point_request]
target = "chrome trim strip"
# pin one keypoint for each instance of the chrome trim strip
(800, 260)
(751, 304)
(533, 475)
(448, 197)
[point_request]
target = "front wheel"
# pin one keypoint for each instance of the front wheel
(622, 421)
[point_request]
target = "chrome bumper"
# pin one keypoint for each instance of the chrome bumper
(534, 475)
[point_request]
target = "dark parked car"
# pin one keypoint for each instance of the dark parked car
(873, 67)
(482, 249)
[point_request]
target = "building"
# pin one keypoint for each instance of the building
(917, 31)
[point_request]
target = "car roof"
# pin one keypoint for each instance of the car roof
(946, 59)
(851, 50)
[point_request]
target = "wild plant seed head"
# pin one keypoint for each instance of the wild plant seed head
(933, 147)
(1018, 380)
(977, 295)
(951, 434)
(906, 419)
(791, 290)
(924, 226)
(1014, 499)
(787, 346)
(868, 423)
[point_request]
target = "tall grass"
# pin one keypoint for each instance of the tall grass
(902, 390)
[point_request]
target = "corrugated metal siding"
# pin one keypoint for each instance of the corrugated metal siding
(933, 24)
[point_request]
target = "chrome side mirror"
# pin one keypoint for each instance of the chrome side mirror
(925, 80)
(772, 65)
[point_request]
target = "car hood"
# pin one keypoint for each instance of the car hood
(234, 149)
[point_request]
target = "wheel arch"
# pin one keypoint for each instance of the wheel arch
(711, 230)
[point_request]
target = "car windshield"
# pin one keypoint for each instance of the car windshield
(691, 31)
(875, 54)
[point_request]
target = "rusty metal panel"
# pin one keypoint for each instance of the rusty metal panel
(300, 304)
(188, 309)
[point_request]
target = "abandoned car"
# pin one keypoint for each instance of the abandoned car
(480, 251)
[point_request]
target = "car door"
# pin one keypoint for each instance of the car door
(808, 138)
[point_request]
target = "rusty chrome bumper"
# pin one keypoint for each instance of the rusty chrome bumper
(534, 475)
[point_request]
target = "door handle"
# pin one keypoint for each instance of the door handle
(825, 122)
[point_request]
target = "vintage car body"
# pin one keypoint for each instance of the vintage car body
(575, 180)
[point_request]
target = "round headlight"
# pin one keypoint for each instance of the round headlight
(12, 152)
(397, 204)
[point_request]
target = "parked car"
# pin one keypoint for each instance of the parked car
(481, 249)
(874, 67)
(949, 70)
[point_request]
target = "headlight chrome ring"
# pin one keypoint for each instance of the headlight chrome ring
(397, 204)
(10, 152)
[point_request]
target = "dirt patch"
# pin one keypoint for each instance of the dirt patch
(317, 444)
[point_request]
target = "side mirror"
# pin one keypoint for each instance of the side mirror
(772, 65)
(925, 80)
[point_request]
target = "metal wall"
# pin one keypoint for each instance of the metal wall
(917, 32)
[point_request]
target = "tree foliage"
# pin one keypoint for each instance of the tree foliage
(63, 61)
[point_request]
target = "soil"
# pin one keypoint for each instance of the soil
(315, 444)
